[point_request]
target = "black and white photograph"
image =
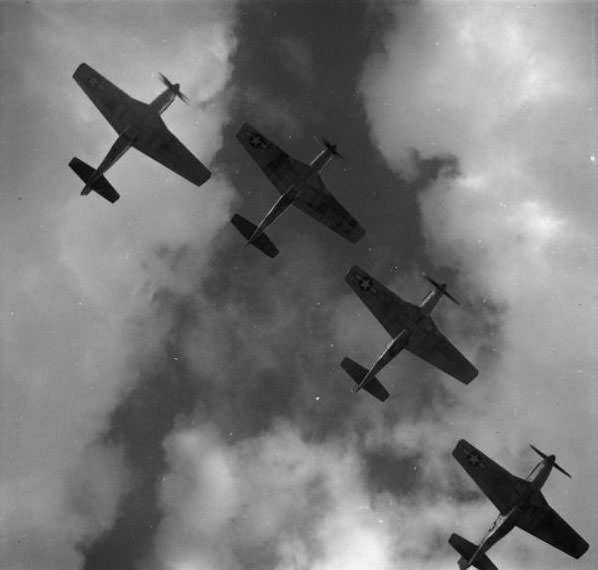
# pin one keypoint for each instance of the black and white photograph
(299, 284)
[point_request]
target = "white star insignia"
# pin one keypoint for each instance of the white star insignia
(257, 141)
(474, 459)
(365, 284)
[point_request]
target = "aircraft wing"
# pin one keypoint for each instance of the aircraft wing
(496, 483)
(276, 164)
(316, 201)
(106, 96)
(284, 171)
(392, 312)
(166, 149)
(433, 347)
(548, 526)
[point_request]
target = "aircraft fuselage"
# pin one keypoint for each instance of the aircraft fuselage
(523, 511)
(422, 322)
(298, 180)
(320, 161)
(430, 301)
(134, 121)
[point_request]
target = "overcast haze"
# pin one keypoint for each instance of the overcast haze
(171, 399)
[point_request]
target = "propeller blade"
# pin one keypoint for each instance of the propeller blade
(562, 470)
(431, 281)
(447, 294)
(174, 88)
(331, 147)
(555, 464)
(540, 453)
(441, 288)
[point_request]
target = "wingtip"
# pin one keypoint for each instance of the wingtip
(80, 68)
(245, 127)
(472, 375)
(353, 274)
(357, 233)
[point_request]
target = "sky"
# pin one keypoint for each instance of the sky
(171, 399)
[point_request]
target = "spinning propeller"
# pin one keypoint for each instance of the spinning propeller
(442, 288)
(331, 147)
(175, 88)
(551, 458)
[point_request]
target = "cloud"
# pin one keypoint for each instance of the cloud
(274, 500)
(508, 90)
(297, 57)
(279, 500)
(80, 273)
(271, 113)
(277, 466)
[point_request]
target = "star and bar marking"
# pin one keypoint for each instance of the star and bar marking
(94, 82)
(257, 141)
(365, 283)
(474, 458)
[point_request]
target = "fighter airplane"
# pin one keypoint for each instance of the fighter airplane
(520, 503)
(138, 125)
(410, 327)
(299, 184)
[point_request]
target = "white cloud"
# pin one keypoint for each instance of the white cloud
(276, 497)
(508, 89)
(77, 273)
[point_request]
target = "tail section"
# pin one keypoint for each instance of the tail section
(467, 551)
(358, 372)
(261, 241)
(101, 185)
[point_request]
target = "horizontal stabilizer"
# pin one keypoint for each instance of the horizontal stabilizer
(261, 241)
(357, 372)
(466, 549)
(101, 185)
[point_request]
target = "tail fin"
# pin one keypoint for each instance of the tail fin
(247, 229)
(357, 372)
(466, 549)
(554, 463)
(442, 287)
(101, 185)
